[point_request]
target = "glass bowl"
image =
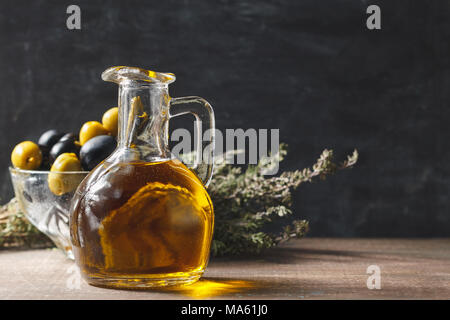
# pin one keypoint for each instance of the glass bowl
(48, 212)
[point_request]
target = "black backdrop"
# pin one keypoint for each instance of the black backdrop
(310, 68)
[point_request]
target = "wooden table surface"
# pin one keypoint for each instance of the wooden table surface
(311, 268)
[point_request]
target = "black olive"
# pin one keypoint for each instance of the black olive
(49, 138)
(69, 137)
(45, 164)
(36, 188)
(61, 147)
(95, 150)
(27, 196)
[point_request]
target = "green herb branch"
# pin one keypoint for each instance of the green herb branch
(16, 231)
(248, 205)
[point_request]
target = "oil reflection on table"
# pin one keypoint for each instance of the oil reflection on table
(214, 287)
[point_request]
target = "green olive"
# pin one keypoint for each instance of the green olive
(110, 120)
(60, 182)
(26, 155)
(91, 129)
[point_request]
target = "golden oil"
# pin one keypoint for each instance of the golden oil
(141, 224)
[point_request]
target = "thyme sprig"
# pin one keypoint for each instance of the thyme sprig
(249, 206)
(16, 231)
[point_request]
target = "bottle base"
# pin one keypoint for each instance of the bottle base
(143, 282)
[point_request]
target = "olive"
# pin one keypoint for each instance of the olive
(26, 155)
(49, 138)
(110, 120)
(69, 136)
(91, 129)
(45, 164)
(66, 162)
(60, 182)
(96, 150)
(66, 146)
(27, 196)
(35, 188)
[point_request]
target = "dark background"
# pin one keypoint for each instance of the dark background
(310, 68)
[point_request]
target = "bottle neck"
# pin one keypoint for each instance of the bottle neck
(143, 120)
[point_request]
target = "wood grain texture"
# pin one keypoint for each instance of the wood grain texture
(313, 268)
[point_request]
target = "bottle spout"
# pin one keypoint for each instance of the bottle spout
(123, 73)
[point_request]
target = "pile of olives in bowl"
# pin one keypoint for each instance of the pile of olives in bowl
(46, 173)
(68, 152)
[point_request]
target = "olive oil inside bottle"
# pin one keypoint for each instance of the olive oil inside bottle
(141, 220)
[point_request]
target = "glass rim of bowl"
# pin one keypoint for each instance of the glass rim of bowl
(18, 170)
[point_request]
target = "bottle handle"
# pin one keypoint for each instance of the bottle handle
(204, 114)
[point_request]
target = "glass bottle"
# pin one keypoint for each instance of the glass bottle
(142, 218)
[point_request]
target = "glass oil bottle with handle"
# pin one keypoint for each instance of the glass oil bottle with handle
(141, 218)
